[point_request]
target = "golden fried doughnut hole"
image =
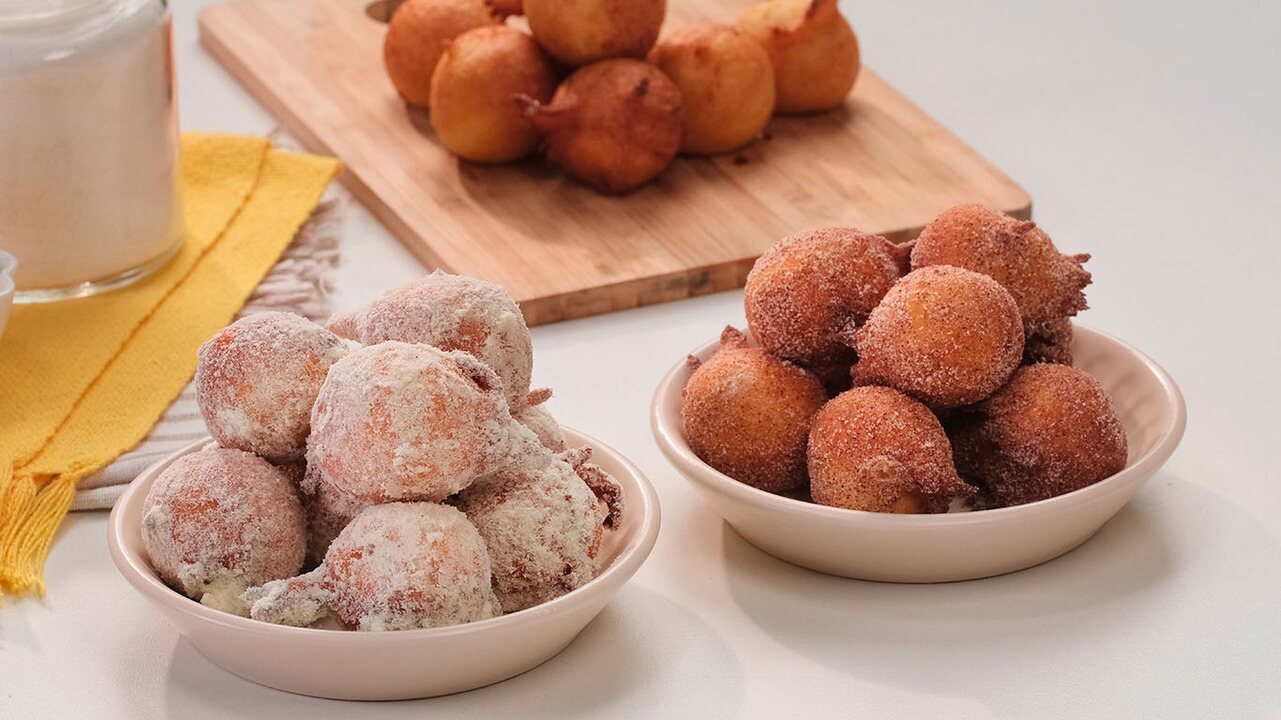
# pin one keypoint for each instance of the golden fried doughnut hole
(578, 32)
(472, 110)
(946, 336)
(813, 49)
(416, 37)
(726, 82)
(876, 449)
(615, 124)
(808, 290)
(1049, 431)
(748, 414)
(1046, 284)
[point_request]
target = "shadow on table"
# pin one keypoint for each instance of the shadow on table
(1057, 634)
(639, 643)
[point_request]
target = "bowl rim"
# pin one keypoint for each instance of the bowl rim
(137, 570)
(670, 437)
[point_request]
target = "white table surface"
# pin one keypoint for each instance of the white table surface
(1147, 133)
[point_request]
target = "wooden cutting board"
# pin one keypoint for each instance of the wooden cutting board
(564, 251)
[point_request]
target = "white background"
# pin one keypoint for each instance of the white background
(1147, 134)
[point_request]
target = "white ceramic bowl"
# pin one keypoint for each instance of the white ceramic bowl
(8, 264)
(403, 664)
(953, 546)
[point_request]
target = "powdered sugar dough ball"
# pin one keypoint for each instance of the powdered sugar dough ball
(543, 526)
(398, 566)
(452, 312)
(396, 421)
(538, 419)
(220, 520)
(257, 380)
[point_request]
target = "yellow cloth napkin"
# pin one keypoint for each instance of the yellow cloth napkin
(83, 381)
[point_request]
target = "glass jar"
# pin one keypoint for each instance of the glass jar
(89, 194)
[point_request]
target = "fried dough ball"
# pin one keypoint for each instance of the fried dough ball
(542, 525)
(813, 50)
(609, 494)
(578, 32)
(1050, 343)
(452, 312)
(329, 509)
(748, 414)
(258, 378)
(1051, 430)
(726, 82)
(399, 566)
(876, 449)
(416, 37)
(1046, 284)
(396, 421)
(536, 417)
(944, 335)
(615, 124)
(472, 110)
(810, 289)
(506, 8)
(218, 521)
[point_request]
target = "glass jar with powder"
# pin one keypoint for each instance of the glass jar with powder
(89, 195)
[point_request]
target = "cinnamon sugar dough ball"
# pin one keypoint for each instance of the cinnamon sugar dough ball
(257, 379)
(876, 449)
(542, 525)
(1046, 284)
(1050, 343)
(1049, 431)
(808, 290)
(399, 566)
(220, 520)
(747, 414)
(452, 312)
(396, 421)
(943, 335)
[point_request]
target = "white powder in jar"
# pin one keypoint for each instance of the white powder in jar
(88, 139)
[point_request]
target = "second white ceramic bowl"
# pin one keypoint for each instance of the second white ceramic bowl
(402, 664)
(953, 546)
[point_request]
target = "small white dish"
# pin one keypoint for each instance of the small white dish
(403, 664)
(952, 546)
(8, 263)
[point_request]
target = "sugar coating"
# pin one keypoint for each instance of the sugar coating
(396, 421)
(748, 414)
(609, 494)
(1046, 285)
(328, 509)
(1050, 343)
(944, 335)
(220, 520)
(398, 566)
(257, 379)
(809, 289)
(539, 420)
(1051, 430)
(452, 312)
(542, 525)
(876, 449)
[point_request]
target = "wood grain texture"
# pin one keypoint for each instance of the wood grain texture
(564, 251)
